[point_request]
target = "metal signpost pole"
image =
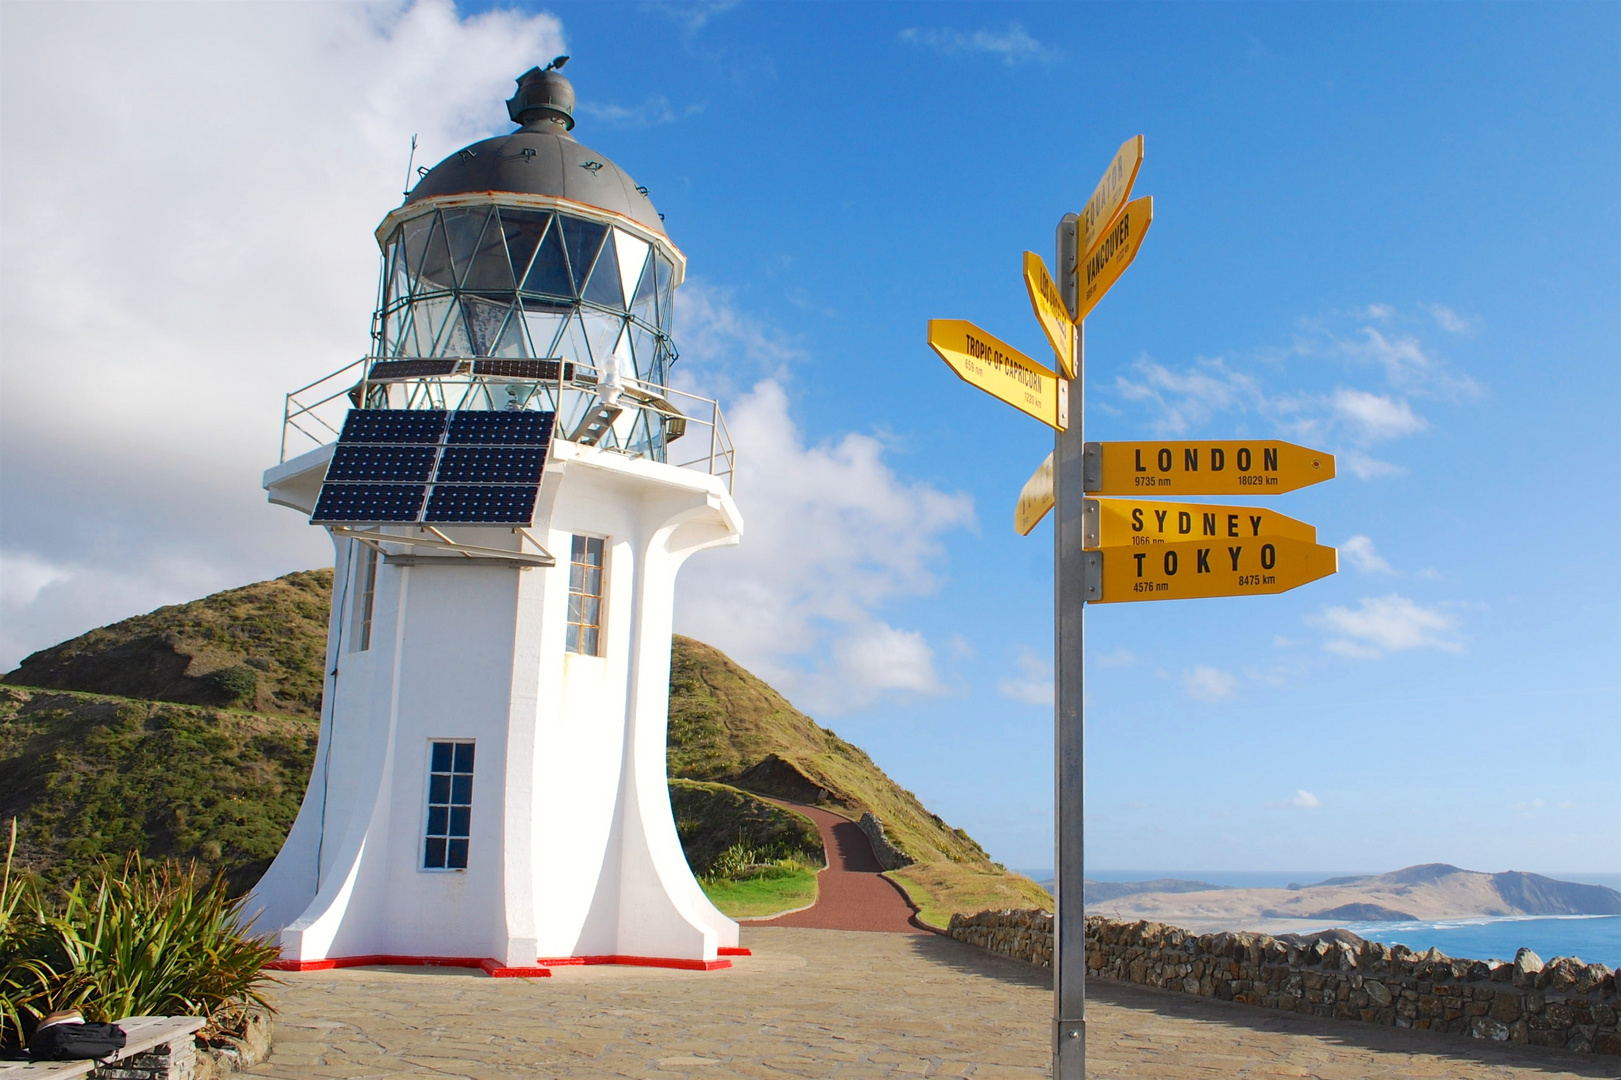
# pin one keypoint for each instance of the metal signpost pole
(1069, 570)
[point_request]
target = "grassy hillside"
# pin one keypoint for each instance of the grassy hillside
(725, 724)
(261, 649)
(89, 775)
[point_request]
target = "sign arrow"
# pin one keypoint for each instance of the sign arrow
(1192, 570)
(1109, 196)
(1229, 467)
(1001, 370)
(1135, 523)
(1051, 312)
(1035, 499)
(1115, 250)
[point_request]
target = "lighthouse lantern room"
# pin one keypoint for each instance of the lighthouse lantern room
(511, 487)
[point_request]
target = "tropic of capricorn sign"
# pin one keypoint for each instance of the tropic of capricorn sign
(1121, 547)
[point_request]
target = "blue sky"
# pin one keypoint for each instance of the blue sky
(1390, 232)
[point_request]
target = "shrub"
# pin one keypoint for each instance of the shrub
(141, 940)
(236, 685)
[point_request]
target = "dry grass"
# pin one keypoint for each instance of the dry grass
(941, 890)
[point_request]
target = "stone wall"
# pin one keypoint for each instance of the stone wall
(1562, 1003)
(889, 856)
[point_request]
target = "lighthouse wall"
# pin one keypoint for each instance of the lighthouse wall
(573, 850)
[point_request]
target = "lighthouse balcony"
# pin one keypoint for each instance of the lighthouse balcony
(602, 409)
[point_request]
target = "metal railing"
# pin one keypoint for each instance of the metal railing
(316, 412)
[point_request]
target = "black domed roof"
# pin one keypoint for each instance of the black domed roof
(541, 158)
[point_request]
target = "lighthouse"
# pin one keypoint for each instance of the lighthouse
(511, 487)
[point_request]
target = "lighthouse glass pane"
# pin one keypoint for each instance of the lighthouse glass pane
(548, 274)
(523, 229)
(583, 240)
(450, 806)
(604, 287)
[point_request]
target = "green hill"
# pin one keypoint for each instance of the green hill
(229, 687)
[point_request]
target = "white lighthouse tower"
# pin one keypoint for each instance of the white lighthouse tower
(505, 484)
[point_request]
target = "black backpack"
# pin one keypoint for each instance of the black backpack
(76, 1042)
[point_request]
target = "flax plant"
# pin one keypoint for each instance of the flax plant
(141, 940)
(28, 959)
(159, 941)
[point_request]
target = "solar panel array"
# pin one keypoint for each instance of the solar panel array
(391, 370)
(534, 370)
(418, 466)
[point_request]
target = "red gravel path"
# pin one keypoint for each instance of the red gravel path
(850, 893)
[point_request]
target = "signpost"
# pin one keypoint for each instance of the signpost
(1102, 267)
(1035, 499)
(1196, 570)
(1229, 467)
(1050, 312)
(1131, 548)
(1126, 523)
(1110, 194)
(1001, 370)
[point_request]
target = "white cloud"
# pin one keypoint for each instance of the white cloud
(1407, 364)
(655, 110)
(1034, 684)
(1209, 684)
(877, 657)
(1118, 658)
(831, 536)
(1385, 625)
(1191, 397)
(1449, 320)
(696, 14)
(723, 349)
(1302, 800)
(252, 151)
(1359, 549)
(1013, 45)
(1364, 467)
(1375, 416)
(1378, 311)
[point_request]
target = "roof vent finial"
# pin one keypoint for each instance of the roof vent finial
(544, 96)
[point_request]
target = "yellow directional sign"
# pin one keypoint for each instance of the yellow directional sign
(1128, 523)
(1001, 370)
(1035, 500)
(1231, 467)
(1109, 196)
(1051, 312)
(1191, 570)
(1115, 249)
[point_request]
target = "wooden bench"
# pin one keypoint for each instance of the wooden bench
(155, 1048)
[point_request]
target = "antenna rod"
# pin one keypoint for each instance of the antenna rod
(410, 161)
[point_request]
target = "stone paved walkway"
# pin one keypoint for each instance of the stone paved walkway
(829, 1003)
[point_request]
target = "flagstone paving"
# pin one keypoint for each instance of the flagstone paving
(831, 1003)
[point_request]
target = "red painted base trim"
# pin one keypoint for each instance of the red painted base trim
(636, 961)
(725, 950)
(493, 968)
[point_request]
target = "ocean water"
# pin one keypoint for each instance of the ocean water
(1594, 938)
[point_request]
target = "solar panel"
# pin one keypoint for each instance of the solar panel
(487, 504)
(536, 370)
(368, 504)
(390, 370)
(483, 468)
(520, 428)
(491, 465)
(394, 426)
(405, 464)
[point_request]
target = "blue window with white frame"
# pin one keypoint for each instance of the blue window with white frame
(450, 805)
